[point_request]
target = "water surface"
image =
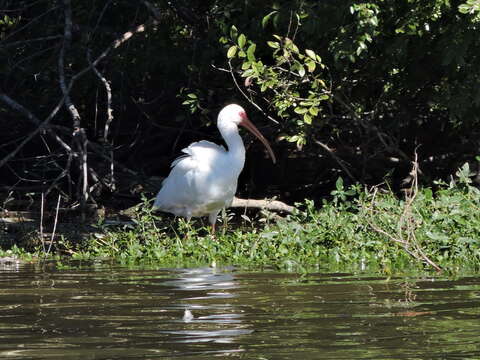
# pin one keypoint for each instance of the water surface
(110, 312)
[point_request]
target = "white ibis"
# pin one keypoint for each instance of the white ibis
(204, 180)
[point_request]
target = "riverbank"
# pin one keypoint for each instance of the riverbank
(359, 228)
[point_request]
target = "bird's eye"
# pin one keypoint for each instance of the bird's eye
(242, 114)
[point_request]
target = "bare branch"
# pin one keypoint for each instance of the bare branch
(54, 225)
(20, 42)
(41, 126)
(152, 9)
(381, 136)
(29, 23)
(61, 65)
(108, 90)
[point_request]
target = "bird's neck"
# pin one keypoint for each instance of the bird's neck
(236, 149)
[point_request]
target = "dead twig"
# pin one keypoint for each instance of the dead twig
(340, 162)
(54, 226)
(21, 42)
(381, 136)
(406, 225)
(41, 222)
(409, 221)
(109, 120)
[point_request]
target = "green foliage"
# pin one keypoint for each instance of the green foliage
(356, 229)
(294, 83)
(471, 7)
(16, 252)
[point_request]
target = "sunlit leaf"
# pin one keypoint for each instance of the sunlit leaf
(241, 41)
(300, 110)
(311, 66)
(267, 17)
(311, 54)
(233, 32)
(232, 51)
(251, 52)
(301, 70)
(246, 65)
(307, 119)
(273, 44)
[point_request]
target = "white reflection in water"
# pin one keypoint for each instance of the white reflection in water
(206, 293)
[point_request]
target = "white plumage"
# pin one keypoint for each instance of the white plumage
(204, 180)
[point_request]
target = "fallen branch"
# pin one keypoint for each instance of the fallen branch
(273, 205)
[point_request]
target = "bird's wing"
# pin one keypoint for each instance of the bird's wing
(197, 151)
(179, 193)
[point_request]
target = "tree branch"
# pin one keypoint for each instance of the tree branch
(273, 205)
(336, 158)
(40, 125)
(245, 95)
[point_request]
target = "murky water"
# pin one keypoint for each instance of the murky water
(105, 312)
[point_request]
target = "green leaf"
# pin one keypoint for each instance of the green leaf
(233, 32)
(247, 73)
(339, 184)
(241, 41)
(311, 66)
(192, 96)
(311, 54)
(267, 17)
(313, 111)
(437, 236)
(232, 51)
(301, 70)
(246, 65)
(273, 44)
(307, 119)
(428, 193)
(300, 110)
(251, 52)
(293, 138)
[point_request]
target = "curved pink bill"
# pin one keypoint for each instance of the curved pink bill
(252, 128)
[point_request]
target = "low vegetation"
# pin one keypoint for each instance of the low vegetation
(358, 228)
